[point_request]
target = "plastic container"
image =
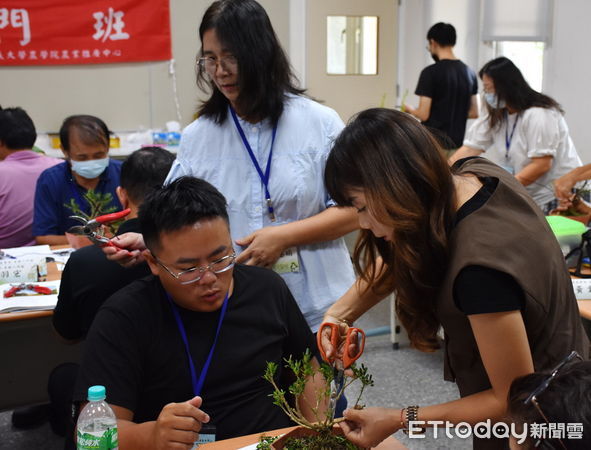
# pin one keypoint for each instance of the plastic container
(97, 424)
(567, 231)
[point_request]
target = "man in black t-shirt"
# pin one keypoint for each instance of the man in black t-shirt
(447, 89)
(189, 345)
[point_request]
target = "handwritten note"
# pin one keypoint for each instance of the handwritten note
(24, 269)
(582, 288)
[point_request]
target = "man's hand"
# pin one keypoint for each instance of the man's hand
(127, 249)
(263, 247)
(368, 427)
(178, 425)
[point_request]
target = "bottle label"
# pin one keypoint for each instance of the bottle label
(106, 440)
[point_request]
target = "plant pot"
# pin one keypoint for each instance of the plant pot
(76, 241)
(302, 432)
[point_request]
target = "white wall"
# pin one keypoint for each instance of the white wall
(349, 94)
(567, 69)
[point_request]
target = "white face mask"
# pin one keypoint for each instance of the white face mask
(494, 101)
(90, 169)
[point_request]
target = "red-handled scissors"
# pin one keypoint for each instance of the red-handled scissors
(93, 229)
(337, 384)
(352, 333)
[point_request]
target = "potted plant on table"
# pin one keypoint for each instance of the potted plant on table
(322, 433)
(99, 205)
(578, 209)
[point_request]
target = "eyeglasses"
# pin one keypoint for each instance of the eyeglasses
(210, 65)
(533, 397)
(196, 273)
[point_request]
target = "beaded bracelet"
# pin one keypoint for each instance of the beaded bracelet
(412, 415)
(402, 426)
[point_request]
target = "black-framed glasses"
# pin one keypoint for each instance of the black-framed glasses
(533, 397)
(194, 274)
(210, 64)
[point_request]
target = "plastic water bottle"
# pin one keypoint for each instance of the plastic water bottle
(97, 424)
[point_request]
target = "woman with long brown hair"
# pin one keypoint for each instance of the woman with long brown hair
(463, 248)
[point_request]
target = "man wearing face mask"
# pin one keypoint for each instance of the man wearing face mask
(85, 144)
(447, 89)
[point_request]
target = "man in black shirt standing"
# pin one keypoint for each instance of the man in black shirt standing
(447, 89)
(190, 344)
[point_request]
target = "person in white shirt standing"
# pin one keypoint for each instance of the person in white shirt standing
(264, 146)
(523, 132)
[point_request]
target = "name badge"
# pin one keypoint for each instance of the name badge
(206, 435)
(288, 262)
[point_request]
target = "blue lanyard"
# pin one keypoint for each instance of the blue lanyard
(197, 384)
(264, 176)
(509, 137)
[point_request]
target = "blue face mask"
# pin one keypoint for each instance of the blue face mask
(90, 169)
(493, 101)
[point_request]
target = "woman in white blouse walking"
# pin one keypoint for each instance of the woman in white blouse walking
(523, 132)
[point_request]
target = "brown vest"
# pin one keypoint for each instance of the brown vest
(509, 233)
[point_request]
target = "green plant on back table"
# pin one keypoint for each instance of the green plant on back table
(579, 206)
(99, 205)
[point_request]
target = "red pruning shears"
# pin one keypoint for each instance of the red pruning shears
(31, 287)
(93, 229)
(354, 336)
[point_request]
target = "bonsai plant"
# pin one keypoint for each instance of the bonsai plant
(578, 208)
(320, 434)
(99, 205)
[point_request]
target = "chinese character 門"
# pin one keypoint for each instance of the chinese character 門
(16, 18)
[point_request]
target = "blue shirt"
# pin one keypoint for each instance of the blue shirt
(305, 133)
(55, 189)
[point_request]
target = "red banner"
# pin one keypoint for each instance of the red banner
(42, 32)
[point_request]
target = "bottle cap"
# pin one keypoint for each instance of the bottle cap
(96, 393)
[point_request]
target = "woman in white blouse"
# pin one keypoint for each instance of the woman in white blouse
(264, 146)
(523, 132)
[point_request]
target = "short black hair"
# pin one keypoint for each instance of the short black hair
(17, 130)
(184, 202)
(443, 33)
(264, 72)
(144, 170)
(91, 129)
(567, 399)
